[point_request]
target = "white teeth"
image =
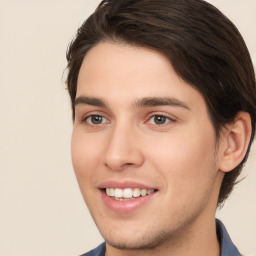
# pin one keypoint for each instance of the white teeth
(143, 192)
(118, 192)
(110, 191)
(150, 191)
(136, 192)
(128, 193)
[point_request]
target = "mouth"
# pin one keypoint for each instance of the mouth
(128, 193)
(125, 197)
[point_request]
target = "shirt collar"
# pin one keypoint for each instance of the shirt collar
(226, 244)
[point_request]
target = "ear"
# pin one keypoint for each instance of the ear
(235, 141)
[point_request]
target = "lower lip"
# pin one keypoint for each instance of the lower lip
(127, 205)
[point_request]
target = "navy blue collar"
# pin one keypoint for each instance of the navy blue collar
(226, 245)
(98, 251)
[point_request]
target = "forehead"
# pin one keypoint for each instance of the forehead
(118, 71)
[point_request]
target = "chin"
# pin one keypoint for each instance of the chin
(141, 241)
(131, 245)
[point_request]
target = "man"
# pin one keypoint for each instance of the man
(164, 106)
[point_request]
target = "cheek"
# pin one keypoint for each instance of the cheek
(85, 155)
(185, 159)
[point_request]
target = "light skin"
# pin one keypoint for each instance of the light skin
(138, 125)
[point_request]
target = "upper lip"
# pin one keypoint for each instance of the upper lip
(123, 184)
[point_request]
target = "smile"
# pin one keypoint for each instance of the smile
(125, 197)
(127, 193)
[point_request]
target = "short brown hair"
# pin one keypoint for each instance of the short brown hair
(204, 47)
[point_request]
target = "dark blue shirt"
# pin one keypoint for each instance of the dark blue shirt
(227, 247)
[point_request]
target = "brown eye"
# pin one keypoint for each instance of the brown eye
(96, 119)
(159, 120)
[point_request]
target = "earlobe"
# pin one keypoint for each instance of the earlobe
(237, 138)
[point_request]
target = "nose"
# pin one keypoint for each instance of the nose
(123, 149)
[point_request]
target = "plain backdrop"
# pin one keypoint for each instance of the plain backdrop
(41, 209)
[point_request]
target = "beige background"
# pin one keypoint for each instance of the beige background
(41, 209)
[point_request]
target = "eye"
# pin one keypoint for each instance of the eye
(96, 119)
(159, 120)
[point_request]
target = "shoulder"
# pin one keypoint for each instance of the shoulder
(98, 251)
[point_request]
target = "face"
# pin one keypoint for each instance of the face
(143, 147)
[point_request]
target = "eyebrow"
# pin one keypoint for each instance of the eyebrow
(138, 103)
(90, 101)
(159, 101)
